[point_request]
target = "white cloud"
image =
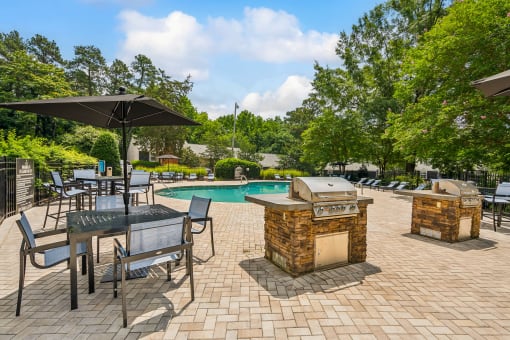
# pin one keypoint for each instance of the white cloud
(287, 97)
(181, 45)
(172, 43)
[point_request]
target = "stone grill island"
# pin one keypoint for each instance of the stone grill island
(320, 224)
(450, 212)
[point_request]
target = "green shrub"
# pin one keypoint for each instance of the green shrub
(268, 174)
(106, 148)
(225, 168)
(145, 164)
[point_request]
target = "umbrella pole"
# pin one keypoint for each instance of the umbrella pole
(124, 162)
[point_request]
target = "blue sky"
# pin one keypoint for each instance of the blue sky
(259, 54)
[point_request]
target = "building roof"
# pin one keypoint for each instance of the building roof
(167, 157)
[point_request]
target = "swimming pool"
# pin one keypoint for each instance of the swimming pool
(227, 193)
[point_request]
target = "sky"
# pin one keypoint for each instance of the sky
(258, 54)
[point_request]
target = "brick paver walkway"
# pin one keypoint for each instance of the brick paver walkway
(409, 287)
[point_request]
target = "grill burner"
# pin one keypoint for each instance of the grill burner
(331, 197)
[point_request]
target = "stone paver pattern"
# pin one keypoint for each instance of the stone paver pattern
(410, 287)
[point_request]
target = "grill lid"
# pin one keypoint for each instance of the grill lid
(458, 188)
(322, 189)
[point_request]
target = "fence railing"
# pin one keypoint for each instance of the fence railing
(7, 187)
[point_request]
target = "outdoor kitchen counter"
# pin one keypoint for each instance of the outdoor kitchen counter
(427, 194)
(283, 202)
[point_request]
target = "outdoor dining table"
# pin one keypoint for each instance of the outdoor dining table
(103, 179)
(83, 225)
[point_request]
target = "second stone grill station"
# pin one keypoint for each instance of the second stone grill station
(321, 223)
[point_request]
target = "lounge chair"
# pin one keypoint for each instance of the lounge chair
(167, 176)
(390, 186)
(401, 186)
(288, 177)
(210, 177)
(421, 186)
(277, 177)
(360, 182)
(192, 176)
(368, 183)
(375, 184)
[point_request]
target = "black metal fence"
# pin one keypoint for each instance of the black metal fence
(8, 182)
(7, 187)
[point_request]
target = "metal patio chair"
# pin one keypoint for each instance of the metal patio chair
(51, 253)
(139, 183)
(199, 213)
(150, 244)
(65, 191)
(107, 203)
(498, 201)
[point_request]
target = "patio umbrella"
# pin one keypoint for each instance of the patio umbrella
(117, 111)
(495, 85)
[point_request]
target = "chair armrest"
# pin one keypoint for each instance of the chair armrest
(43, 247)
(49, 233)
(120, 249)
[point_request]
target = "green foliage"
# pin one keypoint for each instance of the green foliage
(40, 151)
(446, 121)
(189, 158)
(268, 174)
(144, 164)
(225, 168)
(82, 139)
(106, 147)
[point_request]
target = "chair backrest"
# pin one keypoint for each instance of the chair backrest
(199, 209)
(402, 185)
(139, 179)
(57, 180)
(110, 202)
(362, 180)
(26, 230)
(134, 171)
(210, 176)
(503, 189)
(85, 173)
(147, 236)
(376, 182)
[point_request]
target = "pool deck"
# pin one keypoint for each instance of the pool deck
(409, 287)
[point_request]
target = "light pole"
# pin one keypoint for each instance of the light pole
(234, 132)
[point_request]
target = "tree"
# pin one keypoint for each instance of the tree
(444, 120)
(106, 147)
(47, 52)
(118, 75)
(144, 71)
(88, 70)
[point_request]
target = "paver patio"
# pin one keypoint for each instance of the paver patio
(409, 287)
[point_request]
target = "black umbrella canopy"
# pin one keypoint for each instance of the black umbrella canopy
(106, 111)
(495, 85)
(117, 111)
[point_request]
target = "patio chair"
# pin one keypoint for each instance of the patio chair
(139, 183)
(107, 203)
(86, 173)
(210, 177)
(288, 177)
(421, 186)
(390, 186)
(192, 176)
(375, 184)
(150, 244)
(368, 183)
(498, 201)
(51, 253)
(401, 186)
(277, 177)
(199, 213)
(65, 191)
(167, 176)
(360, 182)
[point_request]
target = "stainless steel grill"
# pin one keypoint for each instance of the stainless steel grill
(331, 197)
(469, 194)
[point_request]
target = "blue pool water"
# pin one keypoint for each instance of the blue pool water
(227, 193)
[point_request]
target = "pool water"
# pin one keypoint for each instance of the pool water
(227, 193)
